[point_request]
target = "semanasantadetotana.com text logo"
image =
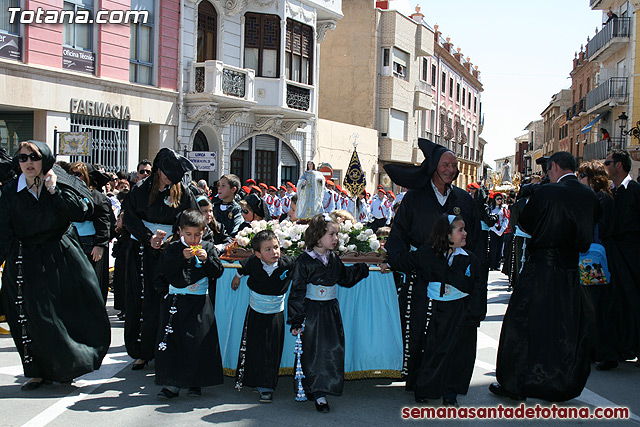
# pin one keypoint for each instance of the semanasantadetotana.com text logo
(80, 16)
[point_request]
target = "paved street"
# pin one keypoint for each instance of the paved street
(118, 396)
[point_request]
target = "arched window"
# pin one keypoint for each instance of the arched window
(207, 31)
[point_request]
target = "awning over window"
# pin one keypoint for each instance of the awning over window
(588, 127)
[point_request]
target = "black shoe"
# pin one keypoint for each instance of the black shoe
(450, 402)
(121, 315)
(165, 393)
(139, 366)
(607, 365)
(266, 397)
(498, 390)
(421, 400)
(322, 407)
(194, 391)
(34, 385)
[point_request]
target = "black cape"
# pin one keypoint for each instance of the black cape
(624, 262)
(142, 300)
(323, 336)
(263, 334)
(190, 356)
(546, 338)
(412, 226)
(447, 346)
(66, 328)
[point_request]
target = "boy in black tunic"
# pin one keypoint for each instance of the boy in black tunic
(188, 352)
(263, 333)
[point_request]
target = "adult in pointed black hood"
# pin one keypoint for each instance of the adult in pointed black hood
(431, 194)
(50, 292)
(150, 212)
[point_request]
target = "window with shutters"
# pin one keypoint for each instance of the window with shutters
(298, 61)
(262, 44)
(207, 31)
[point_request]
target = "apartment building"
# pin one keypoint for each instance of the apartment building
(554, 119)
(383, 70)
(117, 82)
(250, 78)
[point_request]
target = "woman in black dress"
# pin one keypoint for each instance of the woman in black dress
(50, 292)
(150, 211)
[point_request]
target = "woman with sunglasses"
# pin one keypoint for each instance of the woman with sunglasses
(49, 291)
(95, 232)
(253, 208)
(150, 211)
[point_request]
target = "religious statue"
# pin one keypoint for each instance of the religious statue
(310, 193)
(506, 169)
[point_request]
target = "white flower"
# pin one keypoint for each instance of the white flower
(374, 245)
(362, 237)
(242, 241)
(286, 244)
(373, 237)
(255, 225)
(301, 244)
(368, 232)
(351, 247)
(263, 224)
(342, 249)
(358, 226)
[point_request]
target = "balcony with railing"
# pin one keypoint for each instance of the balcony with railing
(611, 90)
(227, 85)
(598, 150)
(610, 39)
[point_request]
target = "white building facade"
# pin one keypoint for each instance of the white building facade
(250, 73)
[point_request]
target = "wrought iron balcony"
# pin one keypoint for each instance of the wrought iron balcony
(221, 80)
(598, 150)
(298, 97)
(609, 39)
(614, 89)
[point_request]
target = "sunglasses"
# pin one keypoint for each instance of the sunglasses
(22, 158)
(608, 162)
(144, 172)
(244, 211)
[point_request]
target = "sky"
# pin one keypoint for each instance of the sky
(524, 51)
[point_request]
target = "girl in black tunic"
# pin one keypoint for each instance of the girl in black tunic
(215, 232)
(263, 332)
(188, 352)
(150, 210)
(312, 302)
(456, 298)
(50, 292)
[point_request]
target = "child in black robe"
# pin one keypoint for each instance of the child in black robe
(263, 333)
(188, 352)
(312, 302)
(455, 306)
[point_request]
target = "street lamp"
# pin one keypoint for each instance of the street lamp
(634, 131)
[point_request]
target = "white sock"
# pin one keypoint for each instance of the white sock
(321, 400)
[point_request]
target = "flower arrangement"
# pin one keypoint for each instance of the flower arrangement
(354, 238)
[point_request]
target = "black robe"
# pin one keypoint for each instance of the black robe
(625, 265)
(263, 334)
(103, 221)
(447, 348)
(323, 336)
(411, 227)
(231, 218)
(546, 338)
(66, 325)
(604, 298)
(142, 300)
(190, 356)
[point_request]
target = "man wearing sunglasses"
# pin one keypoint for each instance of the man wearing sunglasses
(144, 170)
(626, 261)
(545, 344)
